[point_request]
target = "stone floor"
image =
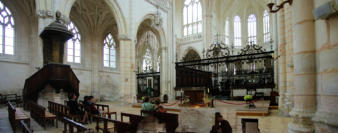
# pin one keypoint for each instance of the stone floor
(267, 124)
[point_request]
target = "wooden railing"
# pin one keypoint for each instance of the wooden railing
(57, 75)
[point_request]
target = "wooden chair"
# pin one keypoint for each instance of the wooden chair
(69, 126)
(41, 115)
(17, 115)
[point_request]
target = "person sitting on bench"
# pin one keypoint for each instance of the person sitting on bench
(74, 107)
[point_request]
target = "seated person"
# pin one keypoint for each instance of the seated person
(224, 124)
(91, 106)
(147, 106)
(73, 105)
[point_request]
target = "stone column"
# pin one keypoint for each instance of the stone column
(95, 57)
(289, 60)
(304, 67)
(207, 23)
(126, 66)
(326, 117)
(281, 61)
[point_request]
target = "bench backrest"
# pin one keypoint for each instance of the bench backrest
(37, 109)
(170, 119)
(70, 124)
(102, 107)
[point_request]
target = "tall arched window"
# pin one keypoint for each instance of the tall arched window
(266, 27)
(147, 61)
(237, 31)
(6, 31)
(74, 45)
(192, 17)
(109, 53)
(252, 29)
(227, 31)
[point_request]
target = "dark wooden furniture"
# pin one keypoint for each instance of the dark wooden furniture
(16, 115)
(251, 68)
(13, 98)
(58, 109)
(25, 128)
(134, 120)
(69, 126)
(59, 76)
(113, 126)
(170, 119)
(41, 115)
(105, 109)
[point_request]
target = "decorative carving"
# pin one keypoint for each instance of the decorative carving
(217, 49)
(251, 49)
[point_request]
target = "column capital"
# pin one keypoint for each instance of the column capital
(124, 37)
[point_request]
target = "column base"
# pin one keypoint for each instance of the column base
(325, 122)
(301, 122)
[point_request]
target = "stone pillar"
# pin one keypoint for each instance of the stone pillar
(95, 56)
(207, 23)
(281, 61)
(326, 117)
(126, 65)
(289, 60)
(304, 67)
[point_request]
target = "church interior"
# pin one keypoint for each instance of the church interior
(176, 66)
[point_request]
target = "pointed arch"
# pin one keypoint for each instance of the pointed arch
(191, 54)
(7, 31)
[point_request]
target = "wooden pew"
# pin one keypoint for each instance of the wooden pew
(105, 109)
(69, 126)
(17, 115)
(41, 115)
(134, 120)
(13, 98)
(58, 109)
(108, 125)
(170, 119)
(24, 127)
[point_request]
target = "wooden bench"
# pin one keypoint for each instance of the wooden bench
(58, 109)
(41, 115)
(170, 119)
(17, 115)
(112, 126)
(13, 98)
(24, 127)
(134, 120)
(105, 109)
(69, 126)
